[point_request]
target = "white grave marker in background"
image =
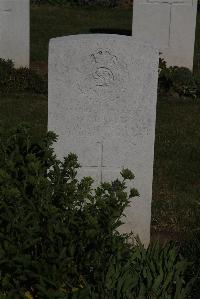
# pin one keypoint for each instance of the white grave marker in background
(15, 31)
(168, 25)
(102, 104)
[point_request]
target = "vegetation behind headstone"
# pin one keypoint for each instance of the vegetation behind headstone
(178, 80)
(108, 3)
(175, 79)
(20, 80)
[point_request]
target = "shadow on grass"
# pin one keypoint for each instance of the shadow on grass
(111, 31)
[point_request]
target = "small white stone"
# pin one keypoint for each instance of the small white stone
(102, 104)
(15, 31)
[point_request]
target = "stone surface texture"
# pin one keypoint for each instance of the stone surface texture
(102, 104)
(15, 31)
(168, 25)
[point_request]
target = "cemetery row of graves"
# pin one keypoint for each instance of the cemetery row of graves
(105, 96)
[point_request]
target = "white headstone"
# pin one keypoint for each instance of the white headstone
(169, 25)
(102, 104)
(15, 31)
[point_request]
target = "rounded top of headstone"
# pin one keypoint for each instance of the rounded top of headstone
(102, 37)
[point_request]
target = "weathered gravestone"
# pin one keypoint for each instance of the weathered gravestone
(102, 104)
(169, 25)
(15, 31)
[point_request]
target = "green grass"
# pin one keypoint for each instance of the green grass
(18, 108)
(176, 185)
(51, 21)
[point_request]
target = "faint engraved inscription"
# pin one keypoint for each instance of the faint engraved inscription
(103, 73)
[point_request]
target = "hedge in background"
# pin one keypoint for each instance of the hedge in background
(179, 80)
(109, 3)
(20, 80)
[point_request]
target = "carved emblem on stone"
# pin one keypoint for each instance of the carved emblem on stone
(103, 73)
(103, 67)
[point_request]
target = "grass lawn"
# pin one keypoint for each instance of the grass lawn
(176, 185)
(31, 109)
(51, 21)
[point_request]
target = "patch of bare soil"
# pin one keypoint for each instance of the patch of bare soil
(166, 236)
(40, 67)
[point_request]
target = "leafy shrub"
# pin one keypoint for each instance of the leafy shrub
(156, 273)
(58, 235)
(20, 80)
(55, 231)
(178, 79)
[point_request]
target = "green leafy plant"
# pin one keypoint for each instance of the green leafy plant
(155, 273)
(179, 80)
(56, 232)
(20, 80)
(58, 235)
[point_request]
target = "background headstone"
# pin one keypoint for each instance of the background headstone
(168, 25)
(102, 104)
(15, 31)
